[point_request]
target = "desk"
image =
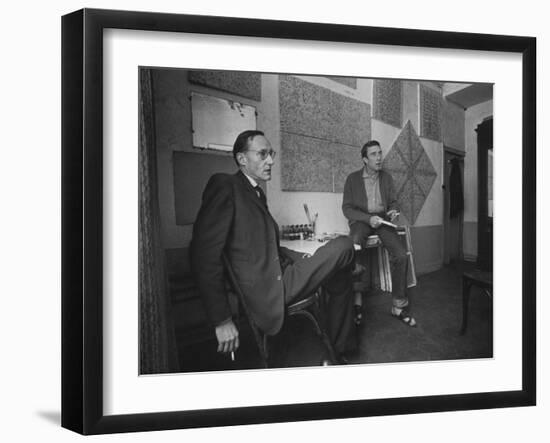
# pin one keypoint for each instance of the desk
(384, 271)
(310, 246)
(304, 246)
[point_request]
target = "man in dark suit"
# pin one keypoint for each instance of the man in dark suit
(369, 198)
(234, 219)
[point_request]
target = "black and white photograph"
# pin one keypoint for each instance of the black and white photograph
(292, 220)
(277, 221)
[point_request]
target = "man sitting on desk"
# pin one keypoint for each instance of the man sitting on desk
(234, 219)
(369, 199)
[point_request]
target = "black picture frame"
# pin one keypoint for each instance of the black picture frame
(82, 218)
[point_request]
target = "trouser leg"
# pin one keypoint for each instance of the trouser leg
(359, 233)
(399, 261)
(329, 267)
(339, 312)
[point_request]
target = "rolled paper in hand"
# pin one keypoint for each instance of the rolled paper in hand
(397, 228)
(384, 222)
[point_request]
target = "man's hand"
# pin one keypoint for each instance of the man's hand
(375, 221)
(228, 337)
(392, 214)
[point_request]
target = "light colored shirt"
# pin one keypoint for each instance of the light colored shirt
(253, 182)
(372, 188)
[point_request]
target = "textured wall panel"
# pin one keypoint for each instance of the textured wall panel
(345, 160)
(302, 108)
(387, 101)
(410, 104)
(314, 165)
(318, 112)
(348, 81)
(305, 164)
(244, 84)
(431, 104)
(412, 172)
(350, 120)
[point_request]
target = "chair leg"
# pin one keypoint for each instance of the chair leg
(264, 353)
(328, 346)
(466, 286)
(318, 321)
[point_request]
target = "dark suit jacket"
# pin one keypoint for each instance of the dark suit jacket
(355, 204)
(232, 219)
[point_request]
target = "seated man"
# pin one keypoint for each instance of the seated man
(234, 219)
(369, 198)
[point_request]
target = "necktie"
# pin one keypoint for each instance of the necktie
(262, 196)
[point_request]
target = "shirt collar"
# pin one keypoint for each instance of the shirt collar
(367, 175)
(253, 182)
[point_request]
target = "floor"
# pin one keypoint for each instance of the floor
(437, 306)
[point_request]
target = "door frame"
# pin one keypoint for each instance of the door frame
(484, 132)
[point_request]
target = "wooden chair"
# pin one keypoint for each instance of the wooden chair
(312, 307)
(383, 259)
(481, 279)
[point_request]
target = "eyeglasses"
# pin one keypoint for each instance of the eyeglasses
(264, 153)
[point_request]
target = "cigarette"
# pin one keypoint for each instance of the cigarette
(232, 356)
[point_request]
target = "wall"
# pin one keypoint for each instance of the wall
(174, 135)
(454, 131)
(287, 206)
(427, 231)
(172, 90)
(473, 117)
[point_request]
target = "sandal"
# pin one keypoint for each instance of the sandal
(404, 315)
